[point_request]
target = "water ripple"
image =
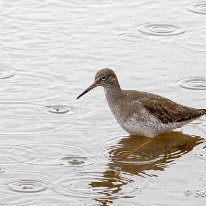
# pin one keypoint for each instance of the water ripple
(25, 182)
(71, 161)
(201, 154)
(106, 3)
(45, 12)
(16, 36)
(57, 199)
(8, 200)
(25, 118)
(161, 29)
(6, 73)
(132, 37)
(199, 8)
(197, 122)
(192, 83)
(22, 154)
(194, 40)
(138, 155)
(98, 184)
(50, 155)
(57, 109)
(2, 170)
(4, 159)
(128, 157)
(35, 84)
(27, 186)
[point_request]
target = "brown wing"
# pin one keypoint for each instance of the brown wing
(168, 111)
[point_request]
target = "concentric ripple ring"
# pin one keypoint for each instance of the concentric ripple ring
(192, 83)
(161, 29)
(199, 8)
(27, 186)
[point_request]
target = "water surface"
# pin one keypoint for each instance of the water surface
(56, 150)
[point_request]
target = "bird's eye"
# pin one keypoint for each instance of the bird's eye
(103, 78)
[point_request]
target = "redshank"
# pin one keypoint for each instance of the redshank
(142, 113)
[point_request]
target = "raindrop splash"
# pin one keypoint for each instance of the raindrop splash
(50, 155)
(58, 109)
(71, 161)
(27, 186)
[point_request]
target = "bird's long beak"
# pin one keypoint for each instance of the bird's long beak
(95, 84)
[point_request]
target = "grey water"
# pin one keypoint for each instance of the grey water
(56, 150)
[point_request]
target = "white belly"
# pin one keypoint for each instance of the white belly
(135, 126)
(148, 126)
(149, 129)
(142, 123)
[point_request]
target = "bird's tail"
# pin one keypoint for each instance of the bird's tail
(204, 110)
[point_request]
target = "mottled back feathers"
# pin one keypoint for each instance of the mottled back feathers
(164, 109)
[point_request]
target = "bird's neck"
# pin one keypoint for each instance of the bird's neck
(113, 92)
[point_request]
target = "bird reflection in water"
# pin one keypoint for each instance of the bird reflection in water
(140, 156)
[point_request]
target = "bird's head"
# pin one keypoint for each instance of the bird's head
(104, 77)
